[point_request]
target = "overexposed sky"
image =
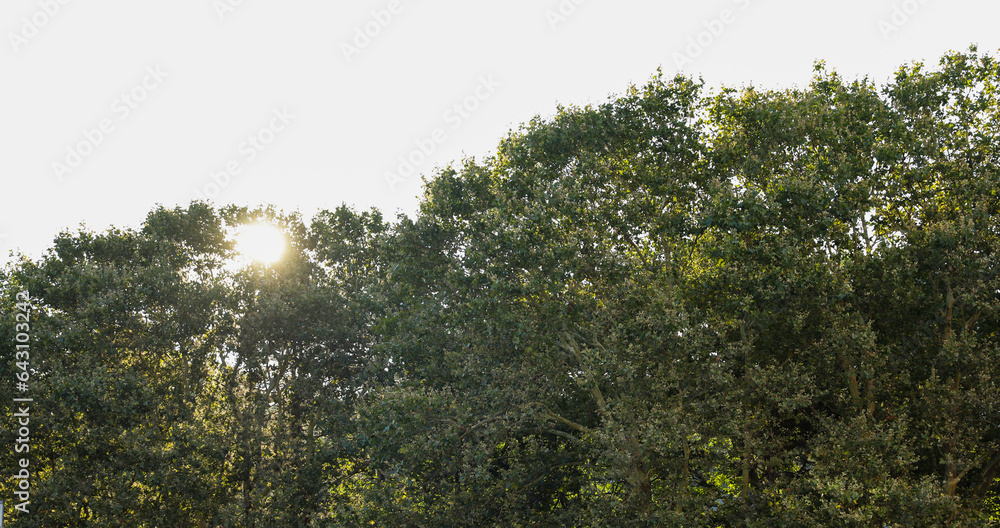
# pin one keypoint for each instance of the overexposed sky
(109, 107)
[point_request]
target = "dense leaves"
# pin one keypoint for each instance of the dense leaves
(676, 308)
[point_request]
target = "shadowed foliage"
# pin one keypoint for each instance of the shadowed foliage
(678, 308)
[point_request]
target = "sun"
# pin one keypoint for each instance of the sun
(261, 243)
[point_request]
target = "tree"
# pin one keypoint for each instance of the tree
(675, 308)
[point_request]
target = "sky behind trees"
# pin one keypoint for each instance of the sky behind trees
(756, 308)
(112, 107)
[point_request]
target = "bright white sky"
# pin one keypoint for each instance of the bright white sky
(337, 122)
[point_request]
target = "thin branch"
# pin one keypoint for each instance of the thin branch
(569, 343)
(546, 412)
(563, 434)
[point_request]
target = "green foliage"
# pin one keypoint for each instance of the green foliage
(676, 308)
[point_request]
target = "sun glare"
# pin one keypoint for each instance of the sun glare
(261, 243)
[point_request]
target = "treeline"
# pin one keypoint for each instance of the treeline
(677, 308)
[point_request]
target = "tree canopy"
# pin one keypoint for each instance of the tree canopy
(680, 307)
